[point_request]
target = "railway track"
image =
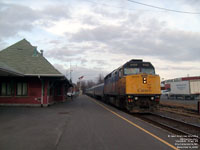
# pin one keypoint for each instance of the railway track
(171, 124)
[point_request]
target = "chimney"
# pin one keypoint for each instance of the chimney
(41, 51)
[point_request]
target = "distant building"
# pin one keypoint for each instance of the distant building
(184, 87)
(27, 78)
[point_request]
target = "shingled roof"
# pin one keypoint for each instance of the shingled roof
(23, 58)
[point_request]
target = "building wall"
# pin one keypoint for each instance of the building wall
(58, 94)
(60, 97)
(34, 96)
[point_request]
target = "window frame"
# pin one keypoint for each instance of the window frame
(8, 89)
(24, 89)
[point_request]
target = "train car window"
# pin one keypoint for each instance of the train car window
(130, 71)
(148, 70)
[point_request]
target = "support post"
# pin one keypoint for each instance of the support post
(45, 98)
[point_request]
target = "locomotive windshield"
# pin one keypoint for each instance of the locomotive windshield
(138, 67)
(148, 70)
(130, 71)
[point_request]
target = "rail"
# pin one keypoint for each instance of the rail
(171, 124)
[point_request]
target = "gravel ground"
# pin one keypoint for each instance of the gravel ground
(189, 118)
(184, 110)
(188, 104)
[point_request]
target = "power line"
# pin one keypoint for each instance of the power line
(161, 8)
(103, 4)
(177, 11)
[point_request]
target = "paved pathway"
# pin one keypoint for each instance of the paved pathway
(81, 124)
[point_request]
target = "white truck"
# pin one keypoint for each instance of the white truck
(189, 89)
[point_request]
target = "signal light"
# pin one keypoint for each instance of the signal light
(144, 80)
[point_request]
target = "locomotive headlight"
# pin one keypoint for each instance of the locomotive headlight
(136, 98)
(152, 98)
(144, 80)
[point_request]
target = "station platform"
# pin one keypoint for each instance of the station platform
(79, 124)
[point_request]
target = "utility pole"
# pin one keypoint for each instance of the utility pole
(70, 73)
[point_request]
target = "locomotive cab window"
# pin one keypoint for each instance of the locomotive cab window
(148, 70)
(130, 71)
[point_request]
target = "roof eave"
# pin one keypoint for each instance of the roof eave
(10, 72)
(45, 75)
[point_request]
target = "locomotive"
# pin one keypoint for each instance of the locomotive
(133, 86)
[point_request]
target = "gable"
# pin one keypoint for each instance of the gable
(24, 58)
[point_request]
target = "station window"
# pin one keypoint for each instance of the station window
(22, 89)
(5, 89)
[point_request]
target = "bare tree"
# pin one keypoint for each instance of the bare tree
(100, 79)
(83, 86)
(90, 83)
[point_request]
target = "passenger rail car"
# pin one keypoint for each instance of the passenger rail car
(133, 86)
(96, 91)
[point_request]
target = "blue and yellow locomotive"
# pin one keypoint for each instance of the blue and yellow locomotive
(133, 86)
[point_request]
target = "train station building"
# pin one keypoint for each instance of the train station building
(28, 79)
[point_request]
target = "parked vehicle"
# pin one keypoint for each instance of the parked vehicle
(69, 94)
(189, 89)
(165, 93)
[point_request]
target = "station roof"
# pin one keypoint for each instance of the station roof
(23, 59)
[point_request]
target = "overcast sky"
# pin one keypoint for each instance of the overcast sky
(99, 36)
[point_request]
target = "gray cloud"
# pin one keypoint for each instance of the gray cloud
(90, 20)
(16, 18)
(179, 68)
(99, 34)
(99, 62)
(63, 53)
(193, 3)
(56, 12)
(185, 68)
(88, 73)
(151, 38)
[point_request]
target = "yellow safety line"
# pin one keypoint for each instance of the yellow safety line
(137, 126)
